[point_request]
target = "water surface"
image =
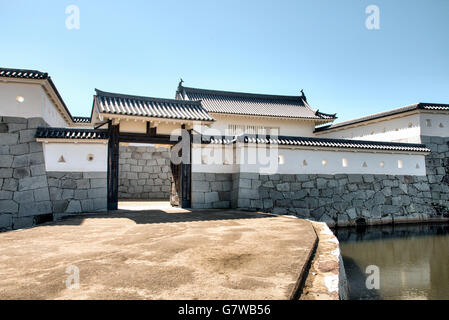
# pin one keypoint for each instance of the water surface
(413, 261)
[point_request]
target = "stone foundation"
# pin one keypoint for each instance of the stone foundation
(344, 199)
(211, 190)
(28, 194)
(144, 173)
(24, 196)
(338, 200)
(76, 192)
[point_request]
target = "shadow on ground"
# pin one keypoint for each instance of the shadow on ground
(164, 216)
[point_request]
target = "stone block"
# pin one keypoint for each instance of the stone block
(27, 135)
(83, 184)
(6, 173)
(8, 139)
(5, 222)
(68, 184)
(200, 186)
(198, 197)
(41, 194)
(283, 187)
(74, 207)
(60, 206)
(98, 183)
(23, 196)
(210, 197)
(98, 193)
(35, 208)
(6, 161)
(248, 194)
(20, 173)
(8, 206)
(19, 149)
(94, 175)
(10, 184)
(221, 205)
(35, 147)
(100, 204)
(23, 222)
(5, 195)
(38, 170)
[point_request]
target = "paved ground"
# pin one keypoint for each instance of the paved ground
(158, 254)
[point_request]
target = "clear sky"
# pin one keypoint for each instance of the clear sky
(274, 47)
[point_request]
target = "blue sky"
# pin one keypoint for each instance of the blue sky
(275, 47)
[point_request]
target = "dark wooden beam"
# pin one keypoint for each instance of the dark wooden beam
(150, 131)
(186, 174)
(113, 166)
(144, 138)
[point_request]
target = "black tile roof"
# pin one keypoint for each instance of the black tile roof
(22, 73)
(316, 142)
(116, 103)
(81, 119)
(416, 106)
(242, 103)
(69, 133)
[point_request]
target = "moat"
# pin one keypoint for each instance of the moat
(413, 261)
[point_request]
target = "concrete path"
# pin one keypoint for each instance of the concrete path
(165, 254)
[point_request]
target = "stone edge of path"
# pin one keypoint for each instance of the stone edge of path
(326, 277)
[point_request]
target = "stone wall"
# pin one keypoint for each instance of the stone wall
(28, 194)
(76, 192)
(211, 190)
(347, 199)
(24, 196)
(144, 173)
(342, 199)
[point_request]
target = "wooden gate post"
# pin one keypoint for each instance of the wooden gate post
(186, 173)
(113, 166)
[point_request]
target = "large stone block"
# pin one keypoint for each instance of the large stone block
(198, 197)
(10, 184)
(8, 206)
(20, 173)
(5, 195)
(98, 193)
(19, 149)
(98, 183)
(74, 207)
(94, 175)
(6, 161)
(38, 170)
(23, 222)
(6, 173)
(210, 197)
(34, 208)
(200, 186)
(23, 196)
(41, 194)
(5, 221)
(8, 139)
(31, 183)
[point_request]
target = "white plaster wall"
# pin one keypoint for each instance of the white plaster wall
(287, 127)
(439, 124)
(266, 161)
(76, 157)
(36, 103)
(403, 129)
(213, 159)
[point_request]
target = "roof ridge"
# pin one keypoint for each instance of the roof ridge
(42, 75)
(145, 98)
(242, 94)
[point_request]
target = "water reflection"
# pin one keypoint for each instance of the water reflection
(413, 260)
